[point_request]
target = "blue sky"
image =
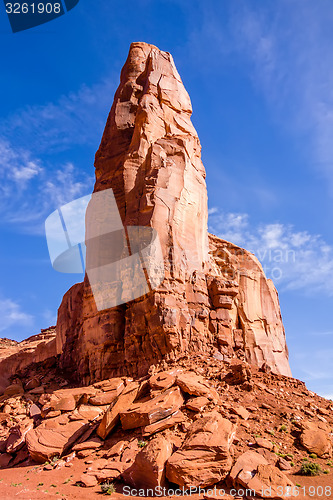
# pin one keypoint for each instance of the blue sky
(260, 77)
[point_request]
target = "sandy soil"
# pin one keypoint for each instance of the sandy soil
(34, 483)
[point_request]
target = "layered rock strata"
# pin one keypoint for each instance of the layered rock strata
(17, 356)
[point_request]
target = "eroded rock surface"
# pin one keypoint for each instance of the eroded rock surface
(148, 469)
(252, 471)
(316, 438)
(215, 297)
(17, 356)
(204, 459)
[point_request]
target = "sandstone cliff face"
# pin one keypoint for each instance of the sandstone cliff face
(16, 356)
(215, 297)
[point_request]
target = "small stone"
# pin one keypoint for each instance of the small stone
(88, 480)
(34, 411)
(264, 443)
(32, 383)
(197, 404)
(283, 464)
(240, 411)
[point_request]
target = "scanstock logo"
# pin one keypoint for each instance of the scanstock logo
(122, 263)
(24, 14)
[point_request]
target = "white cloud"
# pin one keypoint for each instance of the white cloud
(30, 191)
(295, 260)
(17, 164)
(11, 314)
(27, 172)
(31, 184)
(64, 186)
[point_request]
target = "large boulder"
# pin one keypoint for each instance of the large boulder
(196, 385)
(151, 411)
(16, 438)
(164, 380)
(204, 459)
(253, 472)
(167, 422)
(122, 403)
(53, 437)
(148, 469)
(316, 438)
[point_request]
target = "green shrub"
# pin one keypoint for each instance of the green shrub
(142, 444)
(108, 488)
(310, 469)
(313, 455)
(283, 428)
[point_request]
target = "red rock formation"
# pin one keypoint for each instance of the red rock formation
(215, 297)
(16, 356)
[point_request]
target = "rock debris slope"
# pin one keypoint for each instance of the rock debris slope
(215, 297)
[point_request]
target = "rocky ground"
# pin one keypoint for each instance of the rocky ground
(188, 423)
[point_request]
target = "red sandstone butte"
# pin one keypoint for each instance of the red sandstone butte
(215, 298)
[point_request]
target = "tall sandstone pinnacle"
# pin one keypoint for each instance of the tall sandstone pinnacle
(215, 298)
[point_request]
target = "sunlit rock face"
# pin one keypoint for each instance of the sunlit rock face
(215, 297)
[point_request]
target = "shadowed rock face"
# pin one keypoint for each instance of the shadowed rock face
(215, 297)
(15, 356)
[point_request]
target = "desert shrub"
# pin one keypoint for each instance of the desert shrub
(108, 488)
(310, 469)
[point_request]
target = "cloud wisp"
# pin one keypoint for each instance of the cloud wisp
(295, 260)
(12, 314)
(33, 183)
(31, 189)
